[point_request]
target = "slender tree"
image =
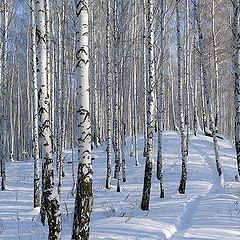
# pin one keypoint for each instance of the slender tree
(186, 69)
(36, 193)
(236, 68)
(134, 93)
(207, 93)
(116, 110)
(216, 68)
(195, 84)
(63, 100)
(108, 93)
(184, 150)
(50, 200)
(150, 109)
(160, 99)
(84, 196)
(3, 134)
(144, 74)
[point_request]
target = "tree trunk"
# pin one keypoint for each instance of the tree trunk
(108, 93)
(236, 67)
(150, 110)
(184, 149)
(116, 119)
(215, 56)
(207, 90)
(160, 99)
(186, 69)
(62, 102)
(3, 134)
(50, 201)
(36, 194)
(144, 69)
(59, 92)
(84, 195)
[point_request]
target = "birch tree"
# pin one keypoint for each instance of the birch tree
(36, 193)
(144, 74)
(134, 92)
(108, 93)
(207, 92)
(215, 63)
(160, 99)
(63, 100)
(184, 150)
(3, 133)
(236, 71)
(150, 109)
(195, 83)
(116, 109)
(50, 201)
(186, 68)
(84, 195)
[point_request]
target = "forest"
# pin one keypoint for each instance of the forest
(114, 110)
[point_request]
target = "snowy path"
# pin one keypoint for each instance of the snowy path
(206, 211)
(193, 223)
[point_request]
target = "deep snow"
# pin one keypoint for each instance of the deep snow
(206, 211)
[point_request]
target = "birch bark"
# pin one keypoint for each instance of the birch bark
(3, 97)
(216, 71)
(236, 68)
(207, 92)
(116, 119)
(160, 99)
(108, 93)
(144, 74)
(36, 193)
(50, 200)
(84, 195)
(184, 150)
(150, 110)
(63, 101)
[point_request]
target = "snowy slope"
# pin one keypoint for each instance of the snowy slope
(206, 211)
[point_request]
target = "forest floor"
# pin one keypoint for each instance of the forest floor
(206, 211)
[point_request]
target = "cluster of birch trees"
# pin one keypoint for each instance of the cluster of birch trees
(80, 73)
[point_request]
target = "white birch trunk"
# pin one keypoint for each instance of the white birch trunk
(108, 93)
(236, 68)
(144, 78)
(84, 195)
(184, 150)
(134, 97)
(196, 125)
(50, 200)
(73, 97)
(52, 82)
(186, 70)
(95, 98)
(160, 99)
(175, 128)
(216, 71)
(62, 102)
(3, 83)
(36, 197)
(207, 91)
(150, 109)
(117, 172)
(47, 26)
(11, 117)
(59, 92)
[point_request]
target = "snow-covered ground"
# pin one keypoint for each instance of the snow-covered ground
(206, 211)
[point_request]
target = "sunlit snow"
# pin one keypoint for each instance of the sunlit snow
(206, 211)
